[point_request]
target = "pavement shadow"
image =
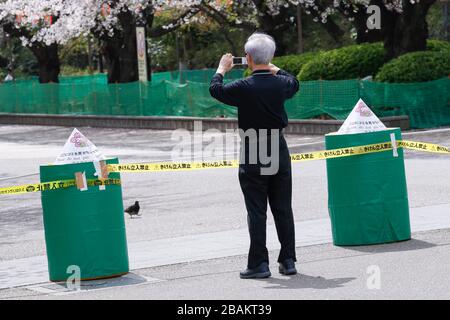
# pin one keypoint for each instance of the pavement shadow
(304, 281)
(133, 218)
(407, 245)
(122, 281)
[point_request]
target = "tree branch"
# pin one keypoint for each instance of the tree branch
(221, 18)
(175, 24)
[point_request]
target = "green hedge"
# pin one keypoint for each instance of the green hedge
(350, 62)
(294, 63)
(438, 45)
(416, 67)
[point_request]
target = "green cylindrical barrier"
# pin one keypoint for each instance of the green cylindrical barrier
(84, 228)
(367, 194)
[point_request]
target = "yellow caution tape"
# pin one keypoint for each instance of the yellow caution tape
(185, 166)
(54, 185)
(307, 156)
(172, 166)
(423, 146)
(341, 152)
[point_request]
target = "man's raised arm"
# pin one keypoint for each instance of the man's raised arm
(229, 93)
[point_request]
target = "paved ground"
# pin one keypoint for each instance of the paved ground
(415, 269)
(202, 203)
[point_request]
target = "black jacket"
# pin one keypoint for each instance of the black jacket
(260, 98)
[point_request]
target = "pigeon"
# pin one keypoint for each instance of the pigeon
(133, 210)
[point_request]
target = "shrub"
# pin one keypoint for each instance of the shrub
(68, 70)
(438, 45)
(350, 62)
(247, 72)
(294, 63)
(416, 67)
(355, 61)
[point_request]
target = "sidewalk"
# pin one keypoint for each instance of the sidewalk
(147, 254)
(415, 269)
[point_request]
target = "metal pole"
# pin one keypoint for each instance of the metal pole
(100, 57)
(180, 65)
(89, 49)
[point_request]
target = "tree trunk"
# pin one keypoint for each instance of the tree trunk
(121, 58)
(128, 52)
(299, 30)
(274, 26)
(3, 62)
(446, 24)
(364, 34)
(333, 29)
(46, 56)
(370, 36)
(120, 51)
(275, 29)
(110, 50)
(48, 61)
(228, 39)
(407, 31)
(361, 18)
(330, 26)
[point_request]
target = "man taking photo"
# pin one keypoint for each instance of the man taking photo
(260, 101)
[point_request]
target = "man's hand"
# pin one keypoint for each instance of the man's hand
(273, 68)
(226, 64)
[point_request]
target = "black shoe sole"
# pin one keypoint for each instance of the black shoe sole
(289, 272)
(260, 275)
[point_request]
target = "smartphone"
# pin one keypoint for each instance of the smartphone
(239, 60)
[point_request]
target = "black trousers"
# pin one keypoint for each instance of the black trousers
(275, 189)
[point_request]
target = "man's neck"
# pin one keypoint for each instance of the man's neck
(260, 67)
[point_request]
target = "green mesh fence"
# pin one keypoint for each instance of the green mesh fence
(335, 98)
(187, 94)
(426, 103)
(97, 78)
(202, 76)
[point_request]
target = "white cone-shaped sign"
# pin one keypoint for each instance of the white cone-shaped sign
(78, 149)
(361, 120)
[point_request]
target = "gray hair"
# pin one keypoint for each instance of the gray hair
(261, 47)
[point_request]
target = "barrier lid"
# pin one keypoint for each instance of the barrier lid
(361, 120)
(78, 149)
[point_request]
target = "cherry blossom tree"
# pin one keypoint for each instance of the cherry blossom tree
(403, 22)
(42, 25)
(403, 25)
(24, 19)
(116, 28)
(274, 17)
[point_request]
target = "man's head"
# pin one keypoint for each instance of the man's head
(259, 50)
